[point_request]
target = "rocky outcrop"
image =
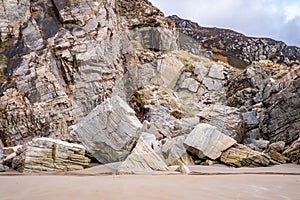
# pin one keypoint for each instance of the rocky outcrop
(141, 13)
(268, 95)
(242, 156)
(235, 48)
(46, 154)
(206, 141)
(142, 160)
(53, 77)
(109, 132)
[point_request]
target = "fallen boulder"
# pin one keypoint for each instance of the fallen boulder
(206, 141)
(228, 120)
(109, 132)
(46, 154)
(242, 156)
(142, 160)
(293, 152)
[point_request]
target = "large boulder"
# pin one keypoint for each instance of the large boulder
(269, 95)
(227, 119)
(46, 154)
(242, 156)
(142, 160)
(206, 141)
(109, 132)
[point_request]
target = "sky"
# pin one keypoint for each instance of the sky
(277, 19)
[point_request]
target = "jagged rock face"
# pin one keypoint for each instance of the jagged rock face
(141, 13)
(235, 48)
(52, 77)
(271, 93)
(109, 132)
(45, 154)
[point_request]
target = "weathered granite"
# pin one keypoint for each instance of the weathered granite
(206, 141)
(46, 154)
(242, 156)
(109, 132)
(142, 160)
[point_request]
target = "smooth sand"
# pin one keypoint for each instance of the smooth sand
(159, 187)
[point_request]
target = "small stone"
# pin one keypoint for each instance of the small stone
(277, 157)
(216, 71)
(277, 146)
(183, 169)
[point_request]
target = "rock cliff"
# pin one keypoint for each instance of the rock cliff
(80, 71)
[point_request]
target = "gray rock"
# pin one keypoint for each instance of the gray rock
(216, 72)
(142, 160)
(277, 146)
(1, 165)
(228, 120)
(155, 38)
(206, 140)
(46, 154)
(250, 120)
(175, 153)
(109, 132)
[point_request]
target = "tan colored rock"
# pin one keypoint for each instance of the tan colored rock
(142, 160)
(183, 169)
(206, 141)
(278, 157)
(293, 152)
(46, 154)
(242, 156)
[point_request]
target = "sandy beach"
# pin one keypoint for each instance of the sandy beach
(218, 183)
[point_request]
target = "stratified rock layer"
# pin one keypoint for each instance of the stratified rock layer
(46, 154)
(109, 132)
(293, 152)
(242, 156)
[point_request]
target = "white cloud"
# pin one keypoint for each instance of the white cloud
(278, 19)
(291, 12)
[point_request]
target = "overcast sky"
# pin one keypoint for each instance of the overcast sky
(277, 19)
